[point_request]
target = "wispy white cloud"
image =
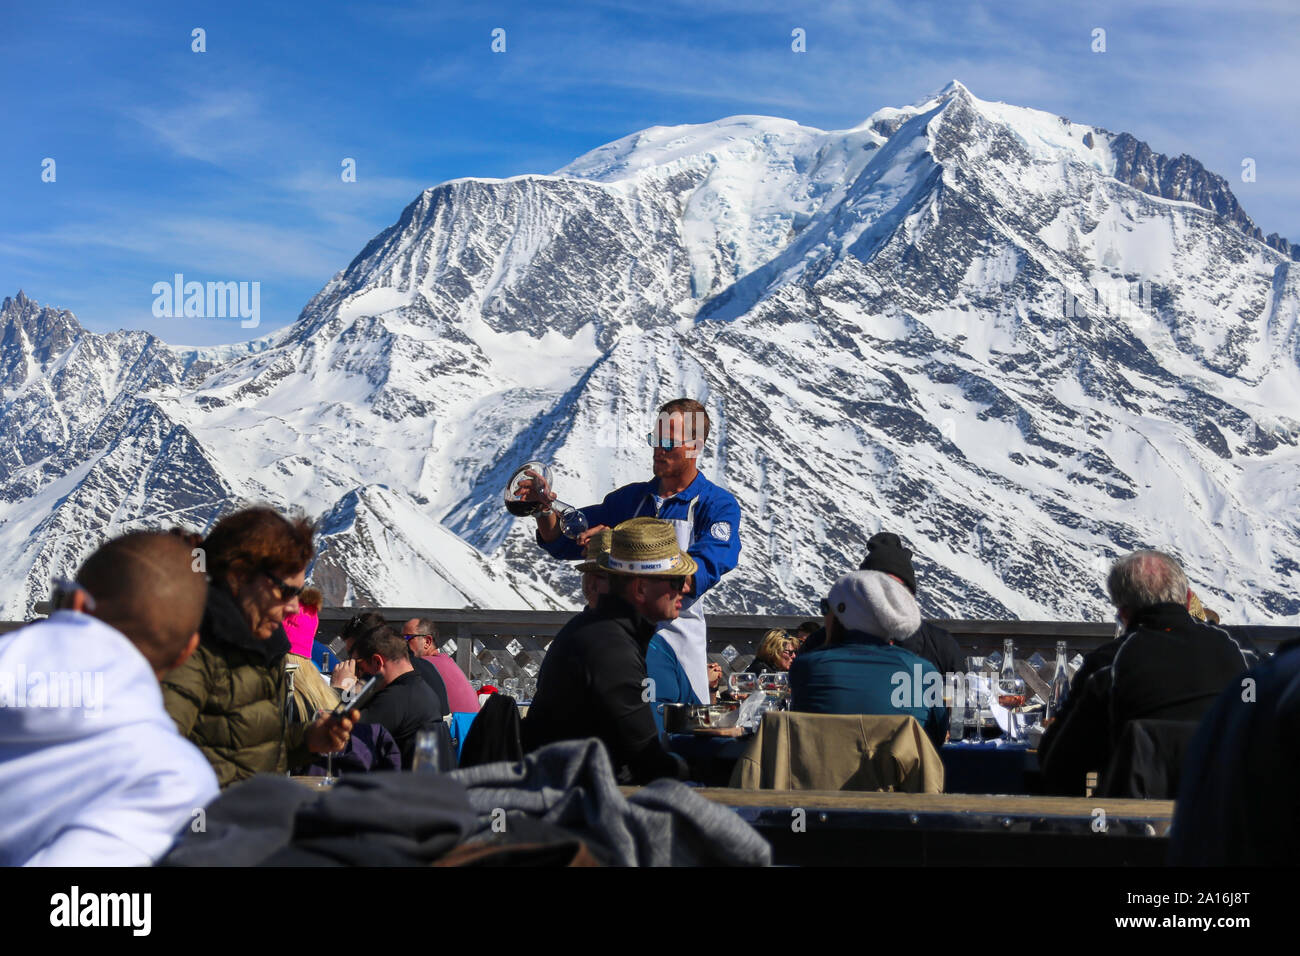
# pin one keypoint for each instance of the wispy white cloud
(215, 126)
(226, 248)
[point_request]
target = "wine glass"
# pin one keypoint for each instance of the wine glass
(775, 683)
(329, 778)
(778, 689)
(522, 483)
(742, 684)
(536, 476)
(1011, 695)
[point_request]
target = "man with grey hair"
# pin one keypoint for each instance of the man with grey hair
(1163, 665)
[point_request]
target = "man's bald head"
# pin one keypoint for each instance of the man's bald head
(144, 585)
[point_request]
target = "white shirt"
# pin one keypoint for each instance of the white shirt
(92, 770)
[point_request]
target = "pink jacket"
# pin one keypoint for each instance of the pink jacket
(300, 628)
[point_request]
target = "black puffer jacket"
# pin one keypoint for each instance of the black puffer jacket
(1167, 666)
(229, 697)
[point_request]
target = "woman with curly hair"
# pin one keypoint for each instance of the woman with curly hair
(775, 652)
(231, 697)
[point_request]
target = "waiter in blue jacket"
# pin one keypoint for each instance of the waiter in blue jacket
(705, 517)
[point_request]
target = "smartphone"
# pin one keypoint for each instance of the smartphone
(368, 691)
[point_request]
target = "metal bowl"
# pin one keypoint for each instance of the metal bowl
(709, 715)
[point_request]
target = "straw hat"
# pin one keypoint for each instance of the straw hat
(597, 543)
(647, 547)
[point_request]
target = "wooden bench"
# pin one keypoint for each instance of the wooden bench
(863, 829)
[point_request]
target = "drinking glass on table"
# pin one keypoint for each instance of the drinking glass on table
(427, 753)
(956, 723)
(329, 778)
(971, 716)
(742, 684)
(776, 684)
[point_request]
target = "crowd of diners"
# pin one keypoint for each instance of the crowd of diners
(174, 665)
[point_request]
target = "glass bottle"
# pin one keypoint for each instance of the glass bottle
(1060, 682)
(1011, 691)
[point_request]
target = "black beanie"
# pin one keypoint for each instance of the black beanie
(885, 552)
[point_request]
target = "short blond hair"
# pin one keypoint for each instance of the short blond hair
(771, 646)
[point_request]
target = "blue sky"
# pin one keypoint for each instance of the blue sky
(225, 165)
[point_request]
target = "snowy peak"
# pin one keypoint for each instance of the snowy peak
(31, 338)
(1184, 179)
(1023, 343)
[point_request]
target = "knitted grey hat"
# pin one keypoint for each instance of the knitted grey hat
(873, 602)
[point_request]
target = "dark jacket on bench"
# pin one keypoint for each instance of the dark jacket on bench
(1167, 666)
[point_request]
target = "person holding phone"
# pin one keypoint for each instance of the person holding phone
(404, 704)
(230, 698)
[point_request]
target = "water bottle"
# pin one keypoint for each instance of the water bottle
(1060, 682)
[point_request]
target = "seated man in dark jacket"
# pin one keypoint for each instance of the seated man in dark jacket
(1241, 776)
(861, 669)
(1165, 666)
(593, 679)
(346, 671)
(406, 705)
(885, 552)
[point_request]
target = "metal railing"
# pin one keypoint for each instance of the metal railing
(516, 641)
(491, 644)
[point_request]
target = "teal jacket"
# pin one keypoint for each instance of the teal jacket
(863, 674)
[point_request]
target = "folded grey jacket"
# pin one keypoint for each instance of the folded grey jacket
(412, 819)
(570, 784)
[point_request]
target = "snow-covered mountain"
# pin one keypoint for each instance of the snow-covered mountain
(1024, 344)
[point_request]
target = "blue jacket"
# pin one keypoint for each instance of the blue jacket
(715, 542)
(670, 681)
(864, 675)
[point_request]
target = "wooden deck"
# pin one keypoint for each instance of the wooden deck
(807, 827)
